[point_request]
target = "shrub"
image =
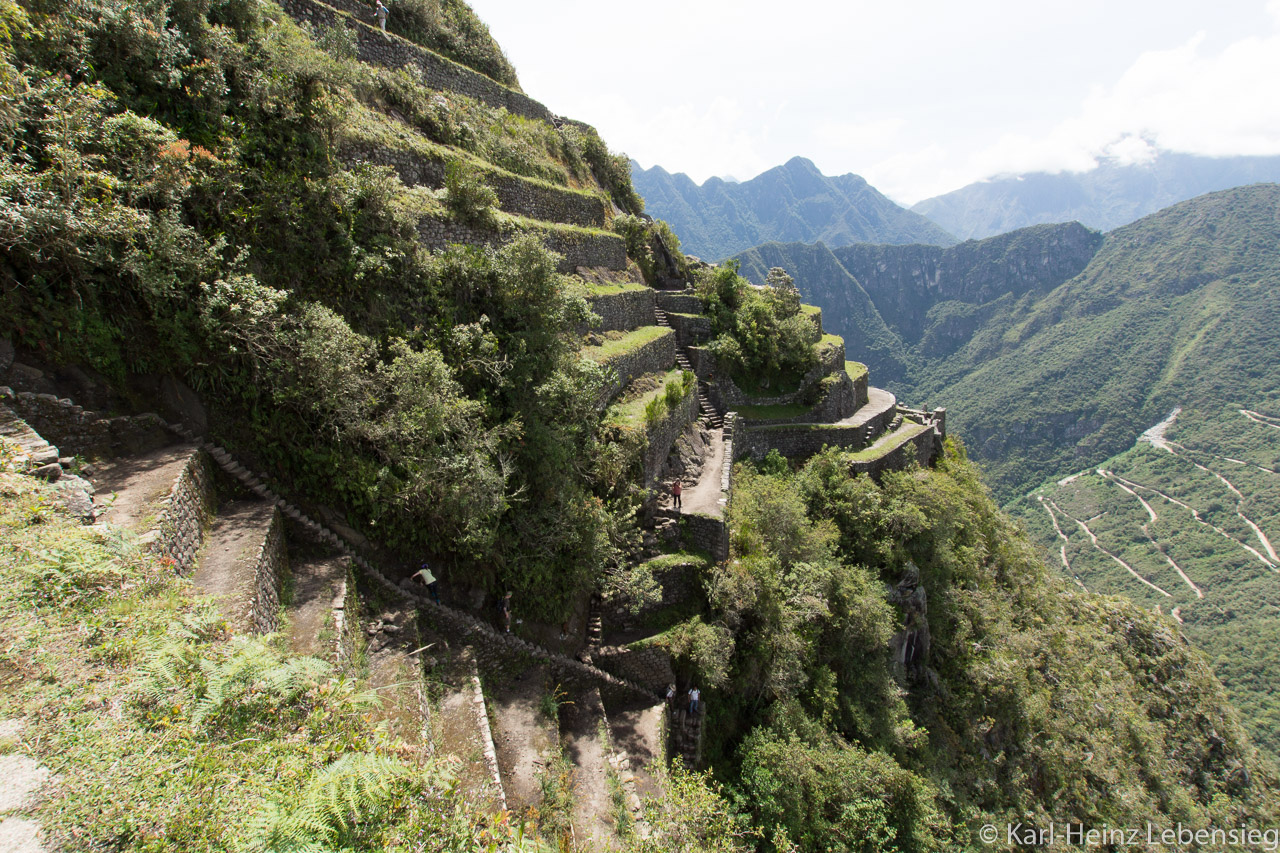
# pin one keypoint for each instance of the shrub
(467, 196)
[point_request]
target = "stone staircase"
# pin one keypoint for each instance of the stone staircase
(686, 733)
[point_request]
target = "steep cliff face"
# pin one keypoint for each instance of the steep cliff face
(901, 306)
(907, 282)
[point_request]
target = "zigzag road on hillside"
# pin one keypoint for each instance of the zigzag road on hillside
(1062, 550)
(1196, 515)
(1262, 537)
(1106, 475)
(1094, 539)
(1258, 417)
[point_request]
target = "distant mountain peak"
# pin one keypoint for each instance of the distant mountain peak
(1132, 178)
(793, 202)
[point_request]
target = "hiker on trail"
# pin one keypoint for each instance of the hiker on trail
(694, 695)
(504, 608)
(424, 576)
(676, 489)
(671, 697)
(382, 12)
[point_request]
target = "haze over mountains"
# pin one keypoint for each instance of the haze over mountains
(794, 201)
(1106, 197)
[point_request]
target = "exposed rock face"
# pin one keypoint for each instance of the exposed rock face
(908, 282)
(911, 644)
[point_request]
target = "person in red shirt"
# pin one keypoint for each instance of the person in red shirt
(675, 492)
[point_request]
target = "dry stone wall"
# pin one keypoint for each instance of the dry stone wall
(680, 582)
(796, 441)
(656, 356)
(576, 248)
(437, 72)
(691, 329)
(664, 434)
(624, 312)
(272, 564)
(707, 534)
(516, 195)
(187, 511)
(679, 302)
(78, 432)
(649, 666)
(922, 449)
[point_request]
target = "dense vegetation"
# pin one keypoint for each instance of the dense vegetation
(898, 667)
(171, 202)
(1206, 556)
(760, 334)
(790, 202)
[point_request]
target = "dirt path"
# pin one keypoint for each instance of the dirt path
(704, 497)
(1146, 531)
(1262, 537)
(317, 581)
(523, 736)
(1094, 539)
(226, 567)
(636, 731)
(1259, 418)
(583, 740)
(21, 778)
(129, 491)
(457, 730)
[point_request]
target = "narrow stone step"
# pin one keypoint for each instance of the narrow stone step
(319, 589)
(525, 738)
(239, 564)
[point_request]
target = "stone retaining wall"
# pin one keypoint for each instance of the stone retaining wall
(624, 312)
(691, 329)
(185, 514)
(729, 396)
(679, 303)
(648, 666)
(796, 441)
(391, 51)
(707, 534)
(664, 434)
(839, 401)
(657, 356)
(272, 562)
(680, 583)
(922, 449)
(576, 248)
(78, 432)
(515, 194)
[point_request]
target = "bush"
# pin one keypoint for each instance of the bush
(760, 335)
(467, 196)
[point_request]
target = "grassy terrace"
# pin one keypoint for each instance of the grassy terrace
(856, 370)
(768, 413)
(810, 310)
(888, 443)
(369, 126)
(620, 343)
(628, 410)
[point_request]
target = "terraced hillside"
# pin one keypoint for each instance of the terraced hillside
(1187, 521)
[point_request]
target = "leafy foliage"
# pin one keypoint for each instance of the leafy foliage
(1005, 717)
(759, 332)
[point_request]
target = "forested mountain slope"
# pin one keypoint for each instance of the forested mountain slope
(794, 201)
(357, 273)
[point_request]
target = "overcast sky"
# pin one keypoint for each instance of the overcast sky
(919, 97)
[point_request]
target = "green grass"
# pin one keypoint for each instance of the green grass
(766, 413)
(829, 341)
(600, 289)
(629, 410)
(810, 310)
(855, 369)
(626, 342)
(892, 442)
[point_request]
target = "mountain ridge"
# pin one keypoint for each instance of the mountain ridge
(1106, 197)
(794, 201)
